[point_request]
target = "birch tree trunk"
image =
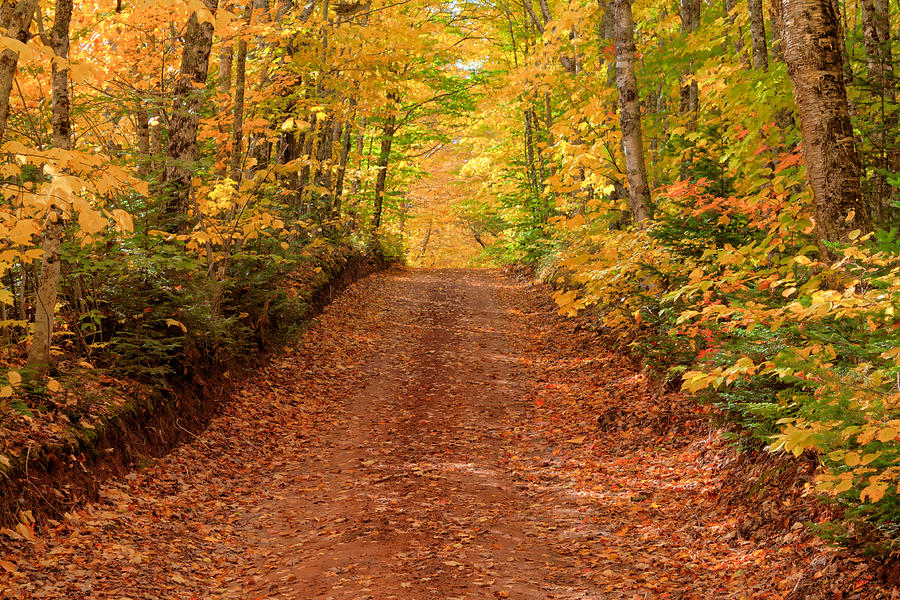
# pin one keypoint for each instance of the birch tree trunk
(877, 39)
(59, 42)
(813, 50)
(48, 283)
(17, 24)
(758, 35)
(630, 113)
(873, 43)
(185, 120)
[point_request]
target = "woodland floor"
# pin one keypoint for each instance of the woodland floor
(435, 435)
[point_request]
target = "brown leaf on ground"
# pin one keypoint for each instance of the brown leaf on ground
(436, 435)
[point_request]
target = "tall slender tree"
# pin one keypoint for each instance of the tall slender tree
(48, 284)
(813, 50)
(185, 119)
(758, 35)
(384, 157)
(630, 113)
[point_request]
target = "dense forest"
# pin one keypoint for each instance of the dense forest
(715, 183)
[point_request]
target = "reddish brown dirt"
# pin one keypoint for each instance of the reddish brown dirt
(410, 495)
(434, 436)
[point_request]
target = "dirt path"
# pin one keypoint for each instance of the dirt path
(435, 436)
(408, 496)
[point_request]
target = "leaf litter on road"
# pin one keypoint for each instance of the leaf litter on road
(436, 434)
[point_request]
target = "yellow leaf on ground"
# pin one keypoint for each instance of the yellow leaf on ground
(873, 492)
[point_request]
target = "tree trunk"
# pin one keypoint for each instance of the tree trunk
(48, 284)
(258, 147)
(548, 123)
(630, 113)
(17, 21)
(880, 74)
(529, 10)
(875, 44)
(877, 35)
(324, 155)
(186, 107)
(342, 169)
(226, 61)
(235, 170)
(282, 8)
(226, 68)
(59, 42)
(690, 19)
(813, 50)
(531, 162)
(142, 128)
(156, 143)
(758, 35)
(841, 21)
(21, 303)
(777, 21)
(539, 158)
(309, 146)
(387, 139)
(739, 40)
(360, 139)
(606, 32)
(545, 11)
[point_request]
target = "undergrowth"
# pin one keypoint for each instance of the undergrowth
(156, 324)
(735, 303)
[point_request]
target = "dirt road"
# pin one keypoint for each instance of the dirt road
(428, 439)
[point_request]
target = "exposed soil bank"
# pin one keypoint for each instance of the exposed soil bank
(50, 480)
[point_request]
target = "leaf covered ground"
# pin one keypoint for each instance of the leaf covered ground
(440, 434)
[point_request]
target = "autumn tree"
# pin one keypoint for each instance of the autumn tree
(188, 99)
(630, 113)
(48, 284)
(813, 51)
